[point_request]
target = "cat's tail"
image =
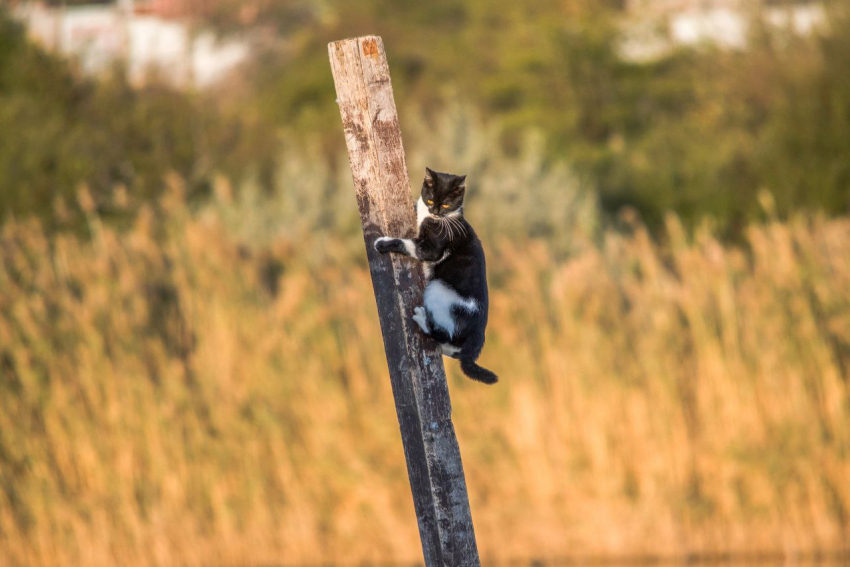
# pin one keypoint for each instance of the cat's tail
(467, 364)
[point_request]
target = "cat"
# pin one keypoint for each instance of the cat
(454, 310)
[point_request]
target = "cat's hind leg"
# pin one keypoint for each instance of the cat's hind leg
(420, 315)
(425, 320)
(435, 330)
(450, 350)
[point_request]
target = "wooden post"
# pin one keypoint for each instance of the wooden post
(373, 137)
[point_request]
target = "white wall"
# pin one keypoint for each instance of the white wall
(100, 35)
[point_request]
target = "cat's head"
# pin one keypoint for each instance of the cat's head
(442, 193)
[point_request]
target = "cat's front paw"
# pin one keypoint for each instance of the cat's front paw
(430, 221)
(384, 244)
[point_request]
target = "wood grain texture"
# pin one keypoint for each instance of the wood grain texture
(373, 137)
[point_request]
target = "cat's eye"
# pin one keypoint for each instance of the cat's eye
(446, 206)
(430, 202)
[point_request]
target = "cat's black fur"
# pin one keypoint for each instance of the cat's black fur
(455, 306)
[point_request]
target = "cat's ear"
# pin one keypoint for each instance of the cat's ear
(429, 177)
(461, 183)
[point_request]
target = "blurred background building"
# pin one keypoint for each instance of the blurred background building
(162, 36)
(148, 36)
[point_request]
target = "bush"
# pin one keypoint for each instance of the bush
(59, 130)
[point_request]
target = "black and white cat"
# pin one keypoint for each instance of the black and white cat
(455, 302)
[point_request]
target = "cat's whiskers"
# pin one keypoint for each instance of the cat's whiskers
(455, 222)
(445, 222)
(458, 224)
(451, 227)
(443, 228)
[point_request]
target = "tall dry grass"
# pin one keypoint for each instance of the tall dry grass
(172, 395)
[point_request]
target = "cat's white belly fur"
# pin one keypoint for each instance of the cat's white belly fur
(439, 300)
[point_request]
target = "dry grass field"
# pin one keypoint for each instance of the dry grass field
(172, 393)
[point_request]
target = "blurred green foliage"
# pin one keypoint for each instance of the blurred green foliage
(699, 131)
(59, 131)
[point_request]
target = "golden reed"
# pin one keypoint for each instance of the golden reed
(169, 396)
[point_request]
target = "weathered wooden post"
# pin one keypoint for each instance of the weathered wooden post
(373, 137)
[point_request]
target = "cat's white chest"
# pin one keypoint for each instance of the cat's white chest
(421, 212)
